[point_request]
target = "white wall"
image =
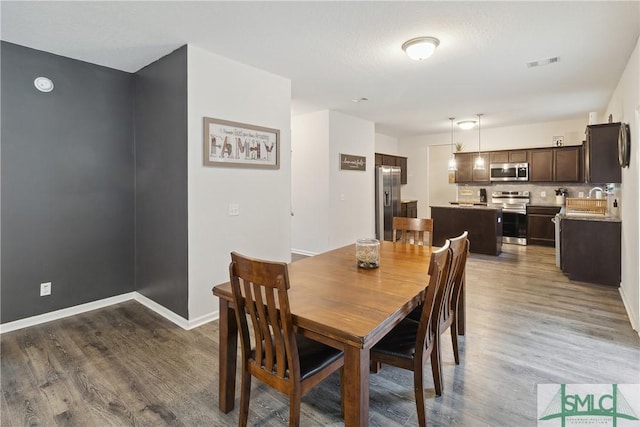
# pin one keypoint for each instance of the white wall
(523, 136)
(224, 89)
(332, 208)
(352, 201)
(386, 144)
(310, 182)
(625, 107)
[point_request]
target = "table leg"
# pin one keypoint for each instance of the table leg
(356, 387)
(460, 314)
(228, 351)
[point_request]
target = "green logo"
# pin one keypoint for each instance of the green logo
(589, 404)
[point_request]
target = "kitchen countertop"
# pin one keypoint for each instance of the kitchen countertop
(465, 206)
(600, 218)
(408, 201)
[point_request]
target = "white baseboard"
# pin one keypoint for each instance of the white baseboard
(94, 305)
(303, 252)
(65, 312)
(633, 316)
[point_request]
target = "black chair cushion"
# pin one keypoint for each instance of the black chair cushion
(401, 341)
(314, 356)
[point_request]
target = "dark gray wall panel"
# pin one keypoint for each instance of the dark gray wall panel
(161, 182)
(67, 183)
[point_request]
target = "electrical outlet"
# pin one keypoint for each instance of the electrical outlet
(45, 289)
(543, 194)
(580, 193)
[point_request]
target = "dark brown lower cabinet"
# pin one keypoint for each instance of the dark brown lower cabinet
(483, 224)
(590, 251)
(409, 209)
(540, 229)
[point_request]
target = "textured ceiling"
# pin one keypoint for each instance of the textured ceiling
(334, 52)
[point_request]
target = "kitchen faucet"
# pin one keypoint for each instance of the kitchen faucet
(594, 189)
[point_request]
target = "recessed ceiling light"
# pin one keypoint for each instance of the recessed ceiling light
(359, 99)
(541, 62)
(43, 84)
(420, 48)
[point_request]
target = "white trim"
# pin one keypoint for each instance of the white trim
(161, 310)
(65, 312)
(303, 252)
(630, 314)
(94, 305)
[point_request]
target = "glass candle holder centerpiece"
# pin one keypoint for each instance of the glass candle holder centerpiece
(367, 253)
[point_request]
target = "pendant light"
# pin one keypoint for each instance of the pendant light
(479, 163)
(452, 161)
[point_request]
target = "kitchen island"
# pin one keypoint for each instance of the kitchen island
(483, 223)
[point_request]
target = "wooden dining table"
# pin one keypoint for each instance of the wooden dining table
(350, 308)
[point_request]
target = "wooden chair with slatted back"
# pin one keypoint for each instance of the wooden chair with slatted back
(453, 289)
(410, 342)
(411, 230)
(272, 351)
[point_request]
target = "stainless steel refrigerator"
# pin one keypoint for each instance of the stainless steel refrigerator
(387, 200)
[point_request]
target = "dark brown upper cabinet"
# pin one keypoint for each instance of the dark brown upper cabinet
(563, 164)
(601, 154)
(391, 160)
(466, 172)
(511, 156)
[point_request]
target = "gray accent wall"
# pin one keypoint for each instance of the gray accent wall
(161, 182)
(67, 184)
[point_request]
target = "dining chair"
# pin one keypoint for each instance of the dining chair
(271, 350)
(455, 280)
(410, 342)
(411, 230)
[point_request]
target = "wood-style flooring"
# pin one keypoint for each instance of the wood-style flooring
(126, 366)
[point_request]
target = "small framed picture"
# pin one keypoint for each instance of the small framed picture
(236, 144)
(558, 141)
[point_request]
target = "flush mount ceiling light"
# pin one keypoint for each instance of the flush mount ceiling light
(43, 84)
(467, 124)
(542, 62)
(420, 48)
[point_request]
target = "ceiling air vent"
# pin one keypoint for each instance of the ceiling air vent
(541, 62)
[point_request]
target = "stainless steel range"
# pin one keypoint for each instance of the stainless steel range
(514, 214)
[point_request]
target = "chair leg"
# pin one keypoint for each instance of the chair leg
(454, 340)
(418, 387)
(342, 392)
(436, 366)
(375, 367)
(245, 394)
(294, 407)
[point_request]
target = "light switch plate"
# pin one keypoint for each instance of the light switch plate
(234, 209)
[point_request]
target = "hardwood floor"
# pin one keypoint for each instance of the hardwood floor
(526, 324)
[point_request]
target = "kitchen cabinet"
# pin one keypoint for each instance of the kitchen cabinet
(563, 164)
(540, 228)
(601, 154)
(391, 160)
(466, 172)
(511, 156)
(541, 165)
(483, 224)
(409, 209)
(567, 164)
(590, 250)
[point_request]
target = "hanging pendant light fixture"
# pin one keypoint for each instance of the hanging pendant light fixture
(452, 161)
(479, 163)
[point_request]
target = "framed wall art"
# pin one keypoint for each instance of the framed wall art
(236, 144)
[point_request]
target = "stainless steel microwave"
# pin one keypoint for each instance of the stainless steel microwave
(509, 171)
